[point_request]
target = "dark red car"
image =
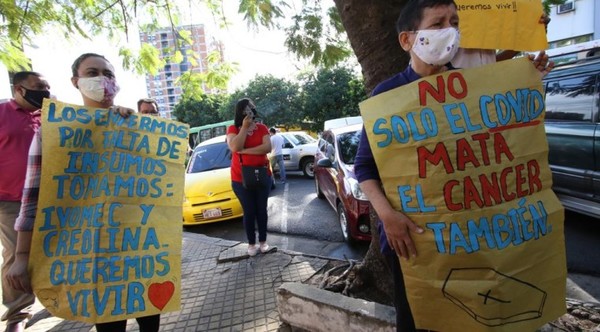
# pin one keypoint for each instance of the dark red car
(336, 182)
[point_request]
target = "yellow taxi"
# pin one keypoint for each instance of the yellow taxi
(208, 194)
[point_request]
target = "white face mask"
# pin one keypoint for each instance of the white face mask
(436, 47)
(99, 88)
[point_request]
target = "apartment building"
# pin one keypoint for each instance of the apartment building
(162, 86)
(574, 22)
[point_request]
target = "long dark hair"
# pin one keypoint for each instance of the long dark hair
(239, 111)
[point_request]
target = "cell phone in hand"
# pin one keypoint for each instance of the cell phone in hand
(251, 112)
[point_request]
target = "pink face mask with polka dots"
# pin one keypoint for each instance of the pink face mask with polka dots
(99, 88)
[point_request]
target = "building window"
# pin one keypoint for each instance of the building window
(566, 7)
(570, 41)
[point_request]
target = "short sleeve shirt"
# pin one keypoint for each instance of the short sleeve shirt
(254, 138)
(16, 131)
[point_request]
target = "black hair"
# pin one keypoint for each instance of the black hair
(240, 107)
(272, 130)
(23, 76)
(412, 14)
(80, 59)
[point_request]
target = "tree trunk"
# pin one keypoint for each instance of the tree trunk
(370, 25)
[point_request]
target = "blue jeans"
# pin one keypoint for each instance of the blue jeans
(254, 205)
(278, 159)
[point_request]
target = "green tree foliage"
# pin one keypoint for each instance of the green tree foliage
(315, 32)
(331, 93)
(23, 20)
(215, 79)
(317, 36)
(200, 110)
(276, 99)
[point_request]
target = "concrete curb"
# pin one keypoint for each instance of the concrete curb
(314, 309)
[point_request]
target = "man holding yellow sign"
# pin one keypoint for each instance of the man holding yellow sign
(446, 150)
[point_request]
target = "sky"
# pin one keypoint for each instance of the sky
(256, 52)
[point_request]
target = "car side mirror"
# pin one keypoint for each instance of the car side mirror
(288, 146)
(325, 162)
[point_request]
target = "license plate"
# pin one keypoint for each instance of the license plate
(211, 213)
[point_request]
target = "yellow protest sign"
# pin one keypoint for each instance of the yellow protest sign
(502, 24)
(107, 238)
(464, 155)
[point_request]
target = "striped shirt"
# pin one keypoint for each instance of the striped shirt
(31, 190)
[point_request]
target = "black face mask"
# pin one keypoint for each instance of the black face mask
(35, 97)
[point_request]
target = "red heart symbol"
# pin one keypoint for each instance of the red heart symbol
(160, 294)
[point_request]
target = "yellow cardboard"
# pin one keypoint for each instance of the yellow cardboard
(106, 244)
(502, 24)
(464, 155)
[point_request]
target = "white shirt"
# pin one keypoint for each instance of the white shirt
(473, 57)
(276, 144)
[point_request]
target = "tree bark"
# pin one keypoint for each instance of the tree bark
(370, 25)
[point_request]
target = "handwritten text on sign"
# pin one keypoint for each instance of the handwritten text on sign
(111, 188)
(464, 155)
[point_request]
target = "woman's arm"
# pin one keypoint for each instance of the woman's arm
(263, 148)
(236, 141)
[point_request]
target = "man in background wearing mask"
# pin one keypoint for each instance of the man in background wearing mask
(19, 118)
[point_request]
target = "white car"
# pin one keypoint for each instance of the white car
(299, 152)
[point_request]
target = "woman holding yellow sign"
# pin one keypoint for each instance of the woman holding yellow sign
(94, 77)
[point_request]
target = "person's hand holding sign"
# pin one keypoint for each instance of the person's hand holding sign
(397, 228)
(122, 110)
(397, 225)
(542, 63)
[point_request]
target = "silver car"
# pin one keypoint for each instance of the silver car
(299, 152)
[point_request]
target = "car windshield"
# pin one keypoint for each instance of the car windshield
(300, 138)
(209, 157)
(348, 144)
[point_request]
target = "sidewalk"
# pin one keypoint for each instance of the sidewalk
(225, 290)
(222, 289)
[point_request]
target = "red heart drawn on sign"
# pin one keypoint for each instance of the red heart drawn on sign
(160, 293)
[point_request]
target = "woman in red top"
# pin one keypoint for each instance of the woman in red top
(250, 141)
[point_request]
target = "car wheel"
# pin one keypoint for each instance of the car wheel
(343, 220)
(308, 167)
(318, 189)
